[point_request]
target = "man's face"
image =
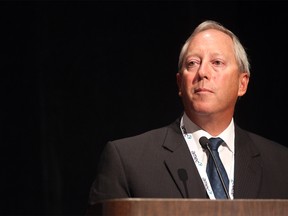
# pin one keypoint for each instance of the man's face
(209, 81)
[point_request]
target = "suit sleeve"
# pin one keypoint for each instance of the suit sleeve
(110, 181)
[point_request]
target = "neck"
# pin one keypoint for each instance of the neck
(213, 124)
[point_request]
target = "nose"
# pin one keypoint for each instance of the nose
(203, 71)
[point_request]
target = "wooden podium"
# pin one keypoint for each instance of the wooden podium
(189, 207)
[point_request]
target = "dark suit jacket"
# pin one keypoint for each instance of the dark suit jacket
(148, 165)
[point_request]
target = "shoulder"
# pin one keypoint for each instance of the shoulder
(263, 144)
(147, 146)
(154, 136)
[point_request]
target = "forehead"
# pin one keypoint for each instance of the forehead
(211, 38)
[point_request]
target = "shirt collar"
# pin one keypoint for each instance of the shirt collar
(227, 135)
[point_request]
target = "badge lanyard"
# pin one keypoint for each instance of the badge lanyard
(201, 168)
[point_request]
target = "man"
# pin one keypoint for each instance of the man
(170, 162)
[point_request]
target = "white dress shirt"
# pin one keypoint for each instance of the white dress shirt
(226, 150)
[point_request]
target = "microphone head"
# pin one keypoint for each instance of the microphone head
(204, 142)
(182, 174)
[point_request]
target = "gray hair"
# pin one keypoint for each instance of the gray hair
(240, 53)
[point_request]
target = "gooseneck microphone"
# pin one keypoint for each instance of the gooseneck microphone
(184, 177)
(204, 142)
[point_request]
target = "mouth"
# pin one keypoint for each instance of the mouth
(202, 90)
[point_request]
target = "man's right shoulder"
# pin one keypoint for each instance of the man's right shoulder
(149, 137)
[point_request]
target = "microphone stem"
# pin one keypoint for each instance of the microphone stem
(219, 174)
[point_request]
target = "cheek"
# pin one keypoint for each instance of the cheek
(187, 80)
(231, 88)
(187, 86)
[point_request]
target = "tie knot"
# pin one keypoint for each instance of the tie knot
(215, 143)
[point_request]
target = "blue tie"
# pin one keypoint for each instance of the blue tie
(213, 176)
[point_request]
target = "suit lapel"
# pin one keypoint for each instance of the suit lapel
(248, 169)
(181, 165)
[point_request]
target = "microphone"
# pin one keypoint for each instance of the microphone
(182, 173)
(204, 142)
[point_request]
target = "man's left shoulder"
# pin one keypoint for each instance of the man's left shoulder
(265, 143)
(260, 141)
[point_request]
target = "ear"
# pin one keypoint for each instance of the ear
(179, 83)
(243, 83)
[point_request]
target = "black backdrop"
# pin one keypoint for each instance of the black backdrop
(75, 74)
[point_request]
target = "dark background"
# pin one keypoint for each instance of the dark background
(75, 74)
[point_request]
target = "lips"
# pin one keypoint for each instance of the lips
(202, 90)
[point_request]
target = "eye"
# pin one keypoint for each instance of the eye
(217, 63)
(192, 64)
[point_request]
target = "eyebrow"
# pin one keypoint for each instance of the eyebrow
(215, 54)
